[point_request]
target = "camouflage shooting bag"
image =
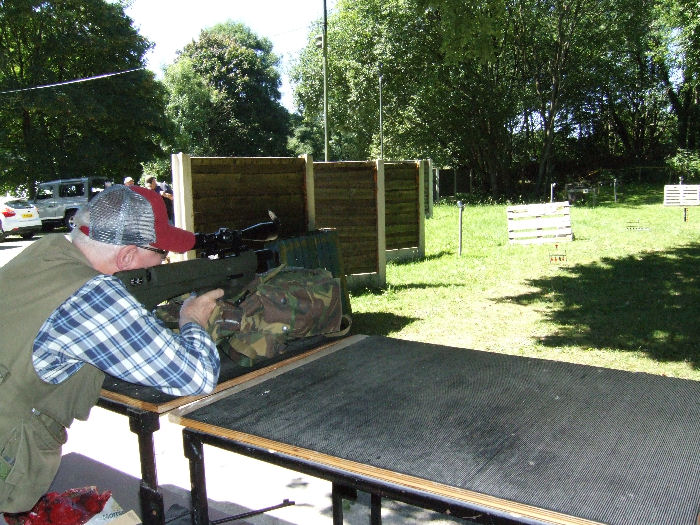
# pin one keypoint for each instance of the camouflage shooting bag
(278, 307)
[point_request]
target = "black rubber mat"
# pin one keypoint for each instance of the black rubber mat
(606, 445)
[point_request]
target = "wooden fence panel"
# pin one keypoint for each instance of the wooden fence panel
(405, 211)
(237, 192)
(346, 199)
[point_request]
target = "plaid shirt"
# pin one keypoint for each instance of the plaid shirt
(102, 324)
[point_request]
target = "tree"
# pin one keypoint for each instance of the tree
(519, 92)
(107, 126)
(678, 56)
(223, 95)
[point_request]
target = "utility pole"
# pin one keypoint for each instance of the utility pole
(325, 80)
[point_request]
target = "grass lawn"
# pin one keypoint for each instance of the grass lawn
(626, 295)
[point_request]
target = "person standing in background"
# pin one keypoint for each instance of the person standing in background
(166, 192)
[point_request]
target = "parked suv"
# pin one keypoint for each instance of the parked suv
(58, 200)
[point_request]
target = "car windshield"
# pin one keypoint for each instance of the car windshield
(18, 204)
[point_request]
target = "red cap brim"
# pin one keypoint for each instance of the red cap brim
(168, 237)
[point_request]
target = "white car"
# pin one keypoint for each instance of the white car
(18, 217)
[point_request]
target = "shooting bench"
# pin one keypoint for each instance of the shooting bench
(144, 405)
(493, 437)
(539, 223)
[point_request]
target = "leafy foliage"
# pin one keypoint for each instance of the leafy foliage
(223, 96)
(101, 127)
(521, 93)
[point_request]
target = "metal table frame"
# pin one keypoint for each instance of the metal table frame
(143, 423)
(343, 483)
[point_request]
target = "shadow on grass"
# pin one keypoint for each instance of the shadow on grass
(379, 323)
(431, 257)
(646, 302)
(358, 292)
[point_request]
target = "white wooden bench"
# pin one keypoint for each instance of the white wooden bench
(682, 195)
(539, 223)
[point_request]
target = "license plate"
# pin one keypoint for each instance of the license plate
(27, 215)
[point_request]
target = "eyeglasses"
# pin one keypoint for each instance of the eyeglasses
(163, 253)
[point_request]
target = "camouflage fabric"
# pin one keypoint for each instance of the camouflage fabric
(285, 304)
(282, 305)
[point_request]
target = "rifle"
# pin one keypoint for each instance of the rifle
(224, 260)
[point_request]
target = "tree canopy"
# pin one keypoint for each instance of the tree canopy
(223, 95)
(519, 92)
(106, 126)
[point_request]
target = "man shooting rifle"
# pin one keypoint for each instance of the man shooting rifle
(73, 322)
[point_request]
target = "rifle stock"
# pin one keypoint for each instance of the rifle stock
(152, 286)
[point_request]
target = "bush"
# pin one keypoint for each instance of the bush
(685, 164)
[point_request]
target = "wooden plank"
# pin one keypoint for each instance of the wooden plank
(512, 508)
(540, 223)
(402, 229)
(340, 181)
(246, 165)
(265, 184)
(321, 168)
(541, 240)
(540, 233)
(405, 210)
(249, 202)
(403, 197)
(363, 221)
(538, 210)
(327, 194)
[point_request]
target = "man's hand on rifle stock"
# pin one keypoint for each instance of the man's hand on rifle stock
(198, 308)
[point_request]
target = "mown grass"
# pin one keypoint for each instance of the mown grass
(626, 295)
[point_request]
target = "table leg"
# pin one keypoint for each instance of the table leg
(194, 452)
(144, 424)
(337, 503)
(375, 509)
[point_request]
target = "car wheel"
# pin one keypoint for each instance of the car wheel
(69, 222)
(2, 234)
(27, 236)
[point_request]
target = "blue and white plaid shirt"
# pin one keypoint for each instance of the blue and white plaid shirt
(102, 324)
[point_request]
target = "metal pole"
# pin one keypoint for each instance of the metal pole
(551, 191)
(615, 189)
(325, 81)
(460, 205)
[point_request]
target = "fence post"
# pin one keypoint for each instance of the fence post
(422, 174)
(428, 174)
(310, 193)
(460, 205)
(181, 166)
(381, 225)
